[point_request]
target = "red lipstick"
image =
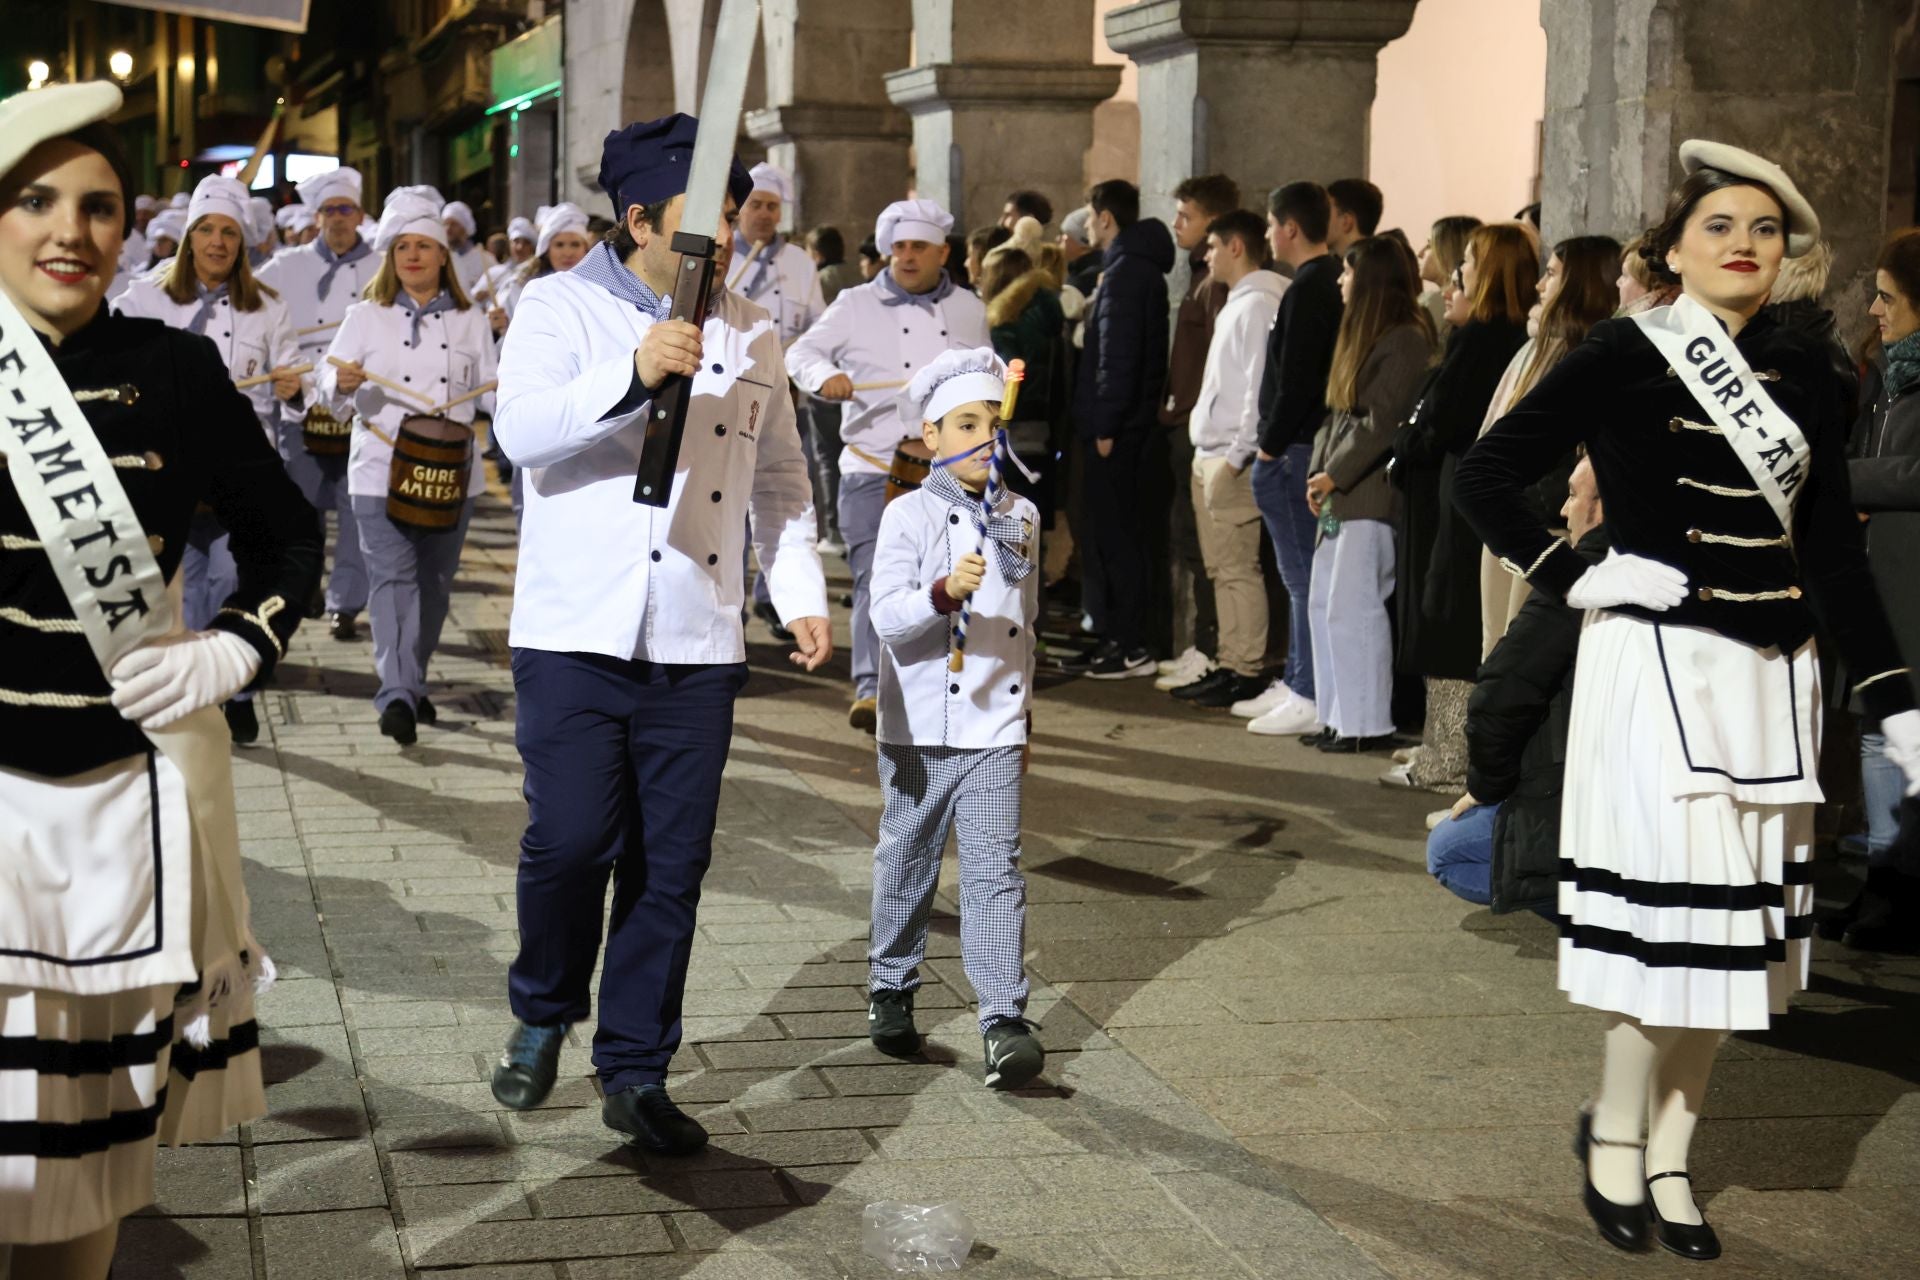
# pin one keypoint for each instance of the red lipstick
(1747, 267)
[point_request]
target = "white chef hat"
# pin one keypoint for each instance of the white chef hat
(565, 216)
(922, 220)
(773, 179)
(283, 216)
(368, 227)
(321, 187)
(459, 211)
(216, 194)
(522, 229)
(169, 223)
(261, 225)
(298, 218)
(540, 214)
(410, 211)
(179, 200)
(145, 203)
(954, 378)
(1803, 224)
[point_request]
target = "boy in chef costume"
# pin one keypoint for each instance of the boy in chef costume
(953, 744)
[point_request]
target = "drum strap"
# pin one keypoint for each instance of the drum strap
(868, 458)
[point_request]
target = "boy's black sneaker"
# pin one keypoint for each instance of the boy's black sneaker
(890, 1023)
(1206, 684)
(1079, 666)
(1118, 664)
(1235, 688)
(1013, 1054)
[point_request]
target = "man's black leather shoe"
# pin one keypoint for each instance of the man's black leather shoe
(647, 1115)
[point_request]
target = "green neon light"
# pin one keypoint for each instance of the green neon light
(524, 99)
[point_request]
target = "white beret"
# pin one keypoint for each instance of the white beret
(30, 118)
(954, 378)
(922, 220)
(410, 211)
(772, 179)
(1803, 224)
(522, 229)
(144, 203)
(170, 224)
(565, 216)
(344, 182)
(458, 211)
(216, 194)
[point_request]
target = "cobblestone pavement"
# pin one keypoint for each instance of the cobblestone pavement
(1277, 1048)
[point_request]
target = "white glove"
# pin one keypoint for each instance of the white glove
(1902, 732)
(1628, 579)
(159, 683)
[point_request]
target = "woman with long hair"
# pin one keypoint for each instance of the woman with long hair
(561, 242)
(1440, 257)
(1577, 291)
(414, 363)
(1379, 361)
(128, 966)
(1438, 600)
(208, 288)
(1693, 743)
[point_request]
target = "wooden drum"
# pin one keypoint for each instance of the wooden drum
(324, 435)
(912, 464)
(427, 481)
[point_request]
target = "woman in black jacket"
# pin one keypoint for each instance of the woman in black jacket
(1438, 591)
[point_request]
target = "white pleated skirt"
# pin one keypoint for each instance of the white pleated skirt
(1685, 891)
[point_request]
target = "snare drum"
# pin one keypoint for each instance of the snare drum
(324, 435)
(912, 464)
(427, 480)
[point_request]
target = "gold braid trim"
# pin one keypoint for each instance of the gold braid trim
(62, 626)
(268, 608)
(64, 701)
(1717, 489)
(1884, 675)
(1529, 571)
(13, 542)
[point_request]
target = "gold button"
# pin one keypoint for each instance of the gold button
(156, 543)
(1693, 535)
(1673, 424)
(1671, 373)
(154, 461)
(129, 394)
(1793, 593)
(1706, 593)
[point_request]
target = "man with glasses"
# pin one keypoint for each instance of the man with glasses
(318, 282)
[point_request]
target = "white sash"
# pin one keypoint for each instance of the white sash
(1769, 443)
(99, 553)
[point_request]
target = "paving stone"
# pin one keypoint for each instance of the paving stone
(300, 1002)
(304, 1177)
(593, 1197)
(195, 1181)
(302, 1110)
(324, 1246)
(484, 1242)
(183, 1248)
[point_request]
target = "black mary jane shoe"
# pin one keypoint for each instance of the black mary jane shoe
(1624, 1226)
(1699, 1243)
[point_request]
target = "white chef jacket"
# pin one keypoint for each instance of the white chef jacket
(788, 287)
(1225, 422)
(296, 274)
(250, 342)
(986, 703)
(471, 264)
(601, 573)
(862, 337)
(455, 355)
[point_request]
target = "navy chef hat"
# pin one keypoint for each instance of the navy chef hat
(650, 161)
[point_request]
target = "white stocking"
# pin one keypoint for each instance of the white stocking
(1679, 1086)
(1619, 1110)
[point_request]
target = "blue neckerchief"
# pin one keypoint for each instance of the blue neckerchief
(604, 268)
(443, 301)
(209, 299)
(1008, 533)
(892, 295)
(336, 261)
(1903, 363)
(764, 263)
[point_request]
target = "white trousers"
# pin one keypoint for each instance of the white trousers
(1352, 636)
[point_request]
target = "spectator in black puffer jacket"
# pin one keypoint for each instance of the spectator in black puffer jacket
(1500, 845)
(1123, 370)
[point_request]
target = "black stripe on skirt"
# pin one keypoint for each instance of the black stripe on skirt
(76, 1058)
(241, 1038)
(47, 1141)
(1689, 955)
(1682, 893)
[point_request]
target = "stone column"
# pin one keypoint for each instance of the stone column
(1002, 98)
(1266, 93)
(827, 120)
(1806, 83)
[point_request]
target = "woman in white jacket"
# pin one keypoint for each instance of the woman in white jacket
(208, 288)
(412, 348)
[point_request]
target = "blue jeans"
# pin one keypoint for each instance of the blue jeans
(1280, 491)
(1460, 854)
(1883, 784)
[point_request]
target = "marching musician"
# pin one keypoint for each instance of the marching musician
(127, 965)
(208, 288)
(416, 347)
(470, 261)
(852, 353)
(522, 237)
(781, 277)
(318, 282)
(561, 244)
(627, 645)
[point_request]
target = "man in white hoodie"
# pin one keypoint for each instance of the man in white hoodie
(1224, 427)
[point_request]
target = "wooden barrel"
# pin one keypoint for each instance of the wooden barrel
(427, 480)
(912, 463)
(324, 435)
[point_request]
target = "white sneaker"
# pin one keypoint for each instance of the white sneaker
(828, 547)
(1188, 667)
(1295, 715)
(1251, 708)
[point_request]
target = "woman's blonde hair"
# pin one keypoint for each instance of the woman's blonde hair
(1050, 259)
(182, 282)
(385, 285)
(1804, 278)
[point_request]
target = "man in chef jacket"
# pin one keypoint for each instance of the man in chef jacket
(626, 633)
(867, 346)
(470, 261)
(318, 282)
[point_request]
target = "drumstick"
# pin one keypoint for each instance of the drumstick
(879, 386)
(752, 253)
(318, 328)
(270, 375)
(474, 394)
(989, 499)
(375, 378)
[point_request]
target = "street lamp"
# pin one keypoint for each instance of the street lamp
(37, 73)
(120, 62)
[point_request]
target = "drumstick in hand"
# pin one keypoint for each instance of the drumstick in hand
(741, 270)
(474, 394)
(989, 499)
(318, 328)
(270, 375)
(879, 386)
(377, 380)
